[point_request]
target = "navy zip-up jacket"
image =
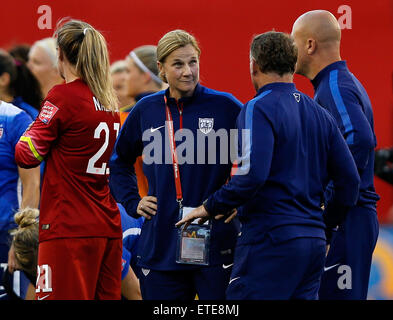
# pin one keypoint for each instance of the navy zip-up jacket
(203, 114)
(295, 149)
(339, 92)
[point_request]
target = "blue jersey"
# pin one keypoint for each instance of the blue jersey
(339, 92)
(295, 149)
(33, 113)
(13, 123)
(131, 231)
(205, 113)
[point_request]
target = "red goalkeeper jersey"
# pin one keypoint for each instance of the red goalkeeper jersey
(75, 135)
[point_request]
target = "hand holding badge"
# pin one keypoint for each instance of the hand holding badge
(203, 216)
(193, 241)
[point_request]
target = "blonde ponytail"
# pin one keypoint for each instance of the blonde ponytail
(86, 49)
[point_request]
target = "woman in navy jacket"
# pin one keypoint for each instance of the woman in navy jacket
(176, 132)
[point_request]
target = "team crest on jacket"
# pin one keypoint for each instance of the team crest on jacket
(206, 125)
(1, 132)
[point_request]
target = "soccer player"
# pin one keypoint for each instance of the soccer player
(317, 35)
(13, 194)
(294, 150)
(80, 238)
(177, 185)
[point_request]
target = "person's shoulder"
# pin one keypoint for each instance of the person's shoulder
(340, 89)
(148, 102)
(70, 96)
(9, 110)
(152, 98)
(58, 89)
(265, 100)
(58, 95)
(13, 114)
(311, 104)
(12, 117)
(29, 109)
(316, 108)
(222, 95)
(69, 89)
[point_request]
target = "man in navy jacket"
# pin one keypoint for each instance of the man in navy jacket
(295, 149)
(317, 35)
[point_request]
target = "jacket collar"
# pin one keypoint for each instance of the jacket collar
(185, 100)
(338, 65)
(276, 86)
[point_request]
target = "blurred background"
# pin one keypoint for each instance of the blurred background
(224, 29)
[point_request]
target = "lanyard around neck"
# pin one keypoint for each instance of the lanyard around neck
(172, 142)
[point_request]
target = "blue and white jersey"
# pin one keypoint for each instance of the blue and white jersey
(13, 123)
(131, 232)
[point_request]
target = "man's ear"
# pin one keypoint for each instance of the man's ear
(254, 68)
(311, 46)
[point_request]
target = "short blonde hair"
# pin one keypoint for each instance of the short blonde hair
(49, 45)
(172, 41)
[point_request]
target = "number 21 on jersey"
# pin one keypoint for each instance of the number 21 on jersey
(102, 127)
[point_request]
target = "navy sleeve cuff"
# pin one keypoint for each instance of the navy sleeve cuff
(131, 209)
(213, 209)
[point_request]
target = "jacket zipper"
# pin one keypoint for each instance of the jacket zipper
(180, 108)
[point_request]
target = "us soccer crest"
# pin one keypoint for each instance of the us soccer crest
(206, 125)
